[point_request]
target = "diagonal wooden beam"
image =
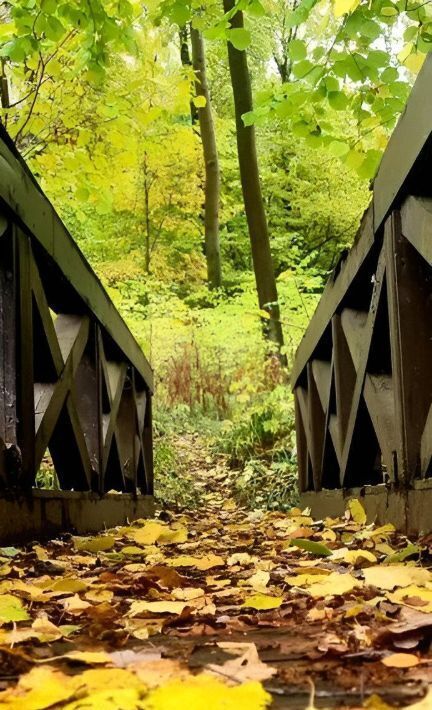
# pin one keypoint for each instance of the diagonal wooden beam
(361, 371)
(62, 388)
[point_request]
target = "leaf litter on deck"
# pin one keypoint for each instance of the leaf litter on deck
(221, 608)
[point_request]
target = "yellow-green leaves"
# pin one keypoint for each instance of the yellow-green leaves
(262, 602)
(344, 7)
(11, 609)
(101, 543)
(357, 512)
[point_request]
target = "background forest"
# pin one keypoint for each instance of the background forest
(125, 112)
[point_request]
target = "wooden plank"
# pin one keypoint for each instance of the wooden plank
(410, 318)
(25, 394)
(148, 446)
(411, 134)
(333, 295)
(379, 397)
(321, 370)
(361, 370)
(416, 225)
(61, 391)
(345, 377)
(426, 445)
(316, 419)
(19, 192)
(8, 413)
(353, 325)
(302, 451)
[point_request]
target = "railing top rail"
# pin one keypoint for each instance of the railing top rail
(402, 172)
(21, 195)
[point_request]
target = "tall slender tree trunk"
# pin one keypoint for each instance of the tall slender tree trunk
(251, 186)
(211, 160)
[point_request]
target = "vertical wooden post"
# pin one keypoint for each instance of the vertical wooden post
(410, 317)
(8, 414)
(302, 451)
(25, 387)
(148, 445)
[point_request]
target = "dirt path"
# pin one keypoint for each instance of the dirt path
(218, 608)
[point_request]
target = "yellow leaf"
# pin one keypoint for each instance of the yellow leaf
(414, 596)
(99, 595)
(342, 7)
(187, 593)
(101, 543)
(395, 576)
(401, 660)
(139, 607)
(262, 602)
(41, 688)
(204, 691)
(148, 534)
(259, 580)
(199, 101)
(334, 584)
(414, 62)
(304, 580)
(202, 563)
(358, 513)
(173, 537)
(69, 585)
(359, 557)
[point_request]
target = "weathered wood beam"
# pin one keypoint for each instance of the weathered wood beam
(21, 196)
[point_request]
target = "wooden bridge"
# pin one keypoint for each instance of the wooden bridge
(363, 372)
(73, 381)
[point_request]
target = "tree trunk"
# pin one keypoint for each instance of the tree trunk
(251, 186)
(186, 62)
(212, 175)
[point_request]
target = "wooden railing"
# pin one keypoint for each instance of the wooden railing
(73, 381)
(363, 373)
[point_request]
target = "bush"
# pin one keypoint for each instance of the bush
(268, 485)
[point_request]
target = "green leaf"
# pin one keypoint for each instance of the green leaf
(239, 38)
(9, 551)
(402, 555)
(389, 75)
(255, 9)
(315, 548)
(11, 609)
(338, 100)
(338, 148)
(297, 49)
(301, 69)
(180, 14)
(377, 58)
(49, 6)
(54, 29)
(370, 164)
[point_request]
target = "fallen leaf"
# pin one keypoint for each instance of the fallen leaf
(11, 609)
(315, 548)
(401, 660)
(357, 512)
(393, 576)
(101, 543)
(262, 602)
(163, 607)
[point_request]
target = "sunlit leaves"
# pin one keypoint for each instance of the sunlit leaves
(239, 37)
(11, 609)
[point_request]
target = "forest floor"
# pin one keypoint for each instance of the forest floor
(218, 607)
